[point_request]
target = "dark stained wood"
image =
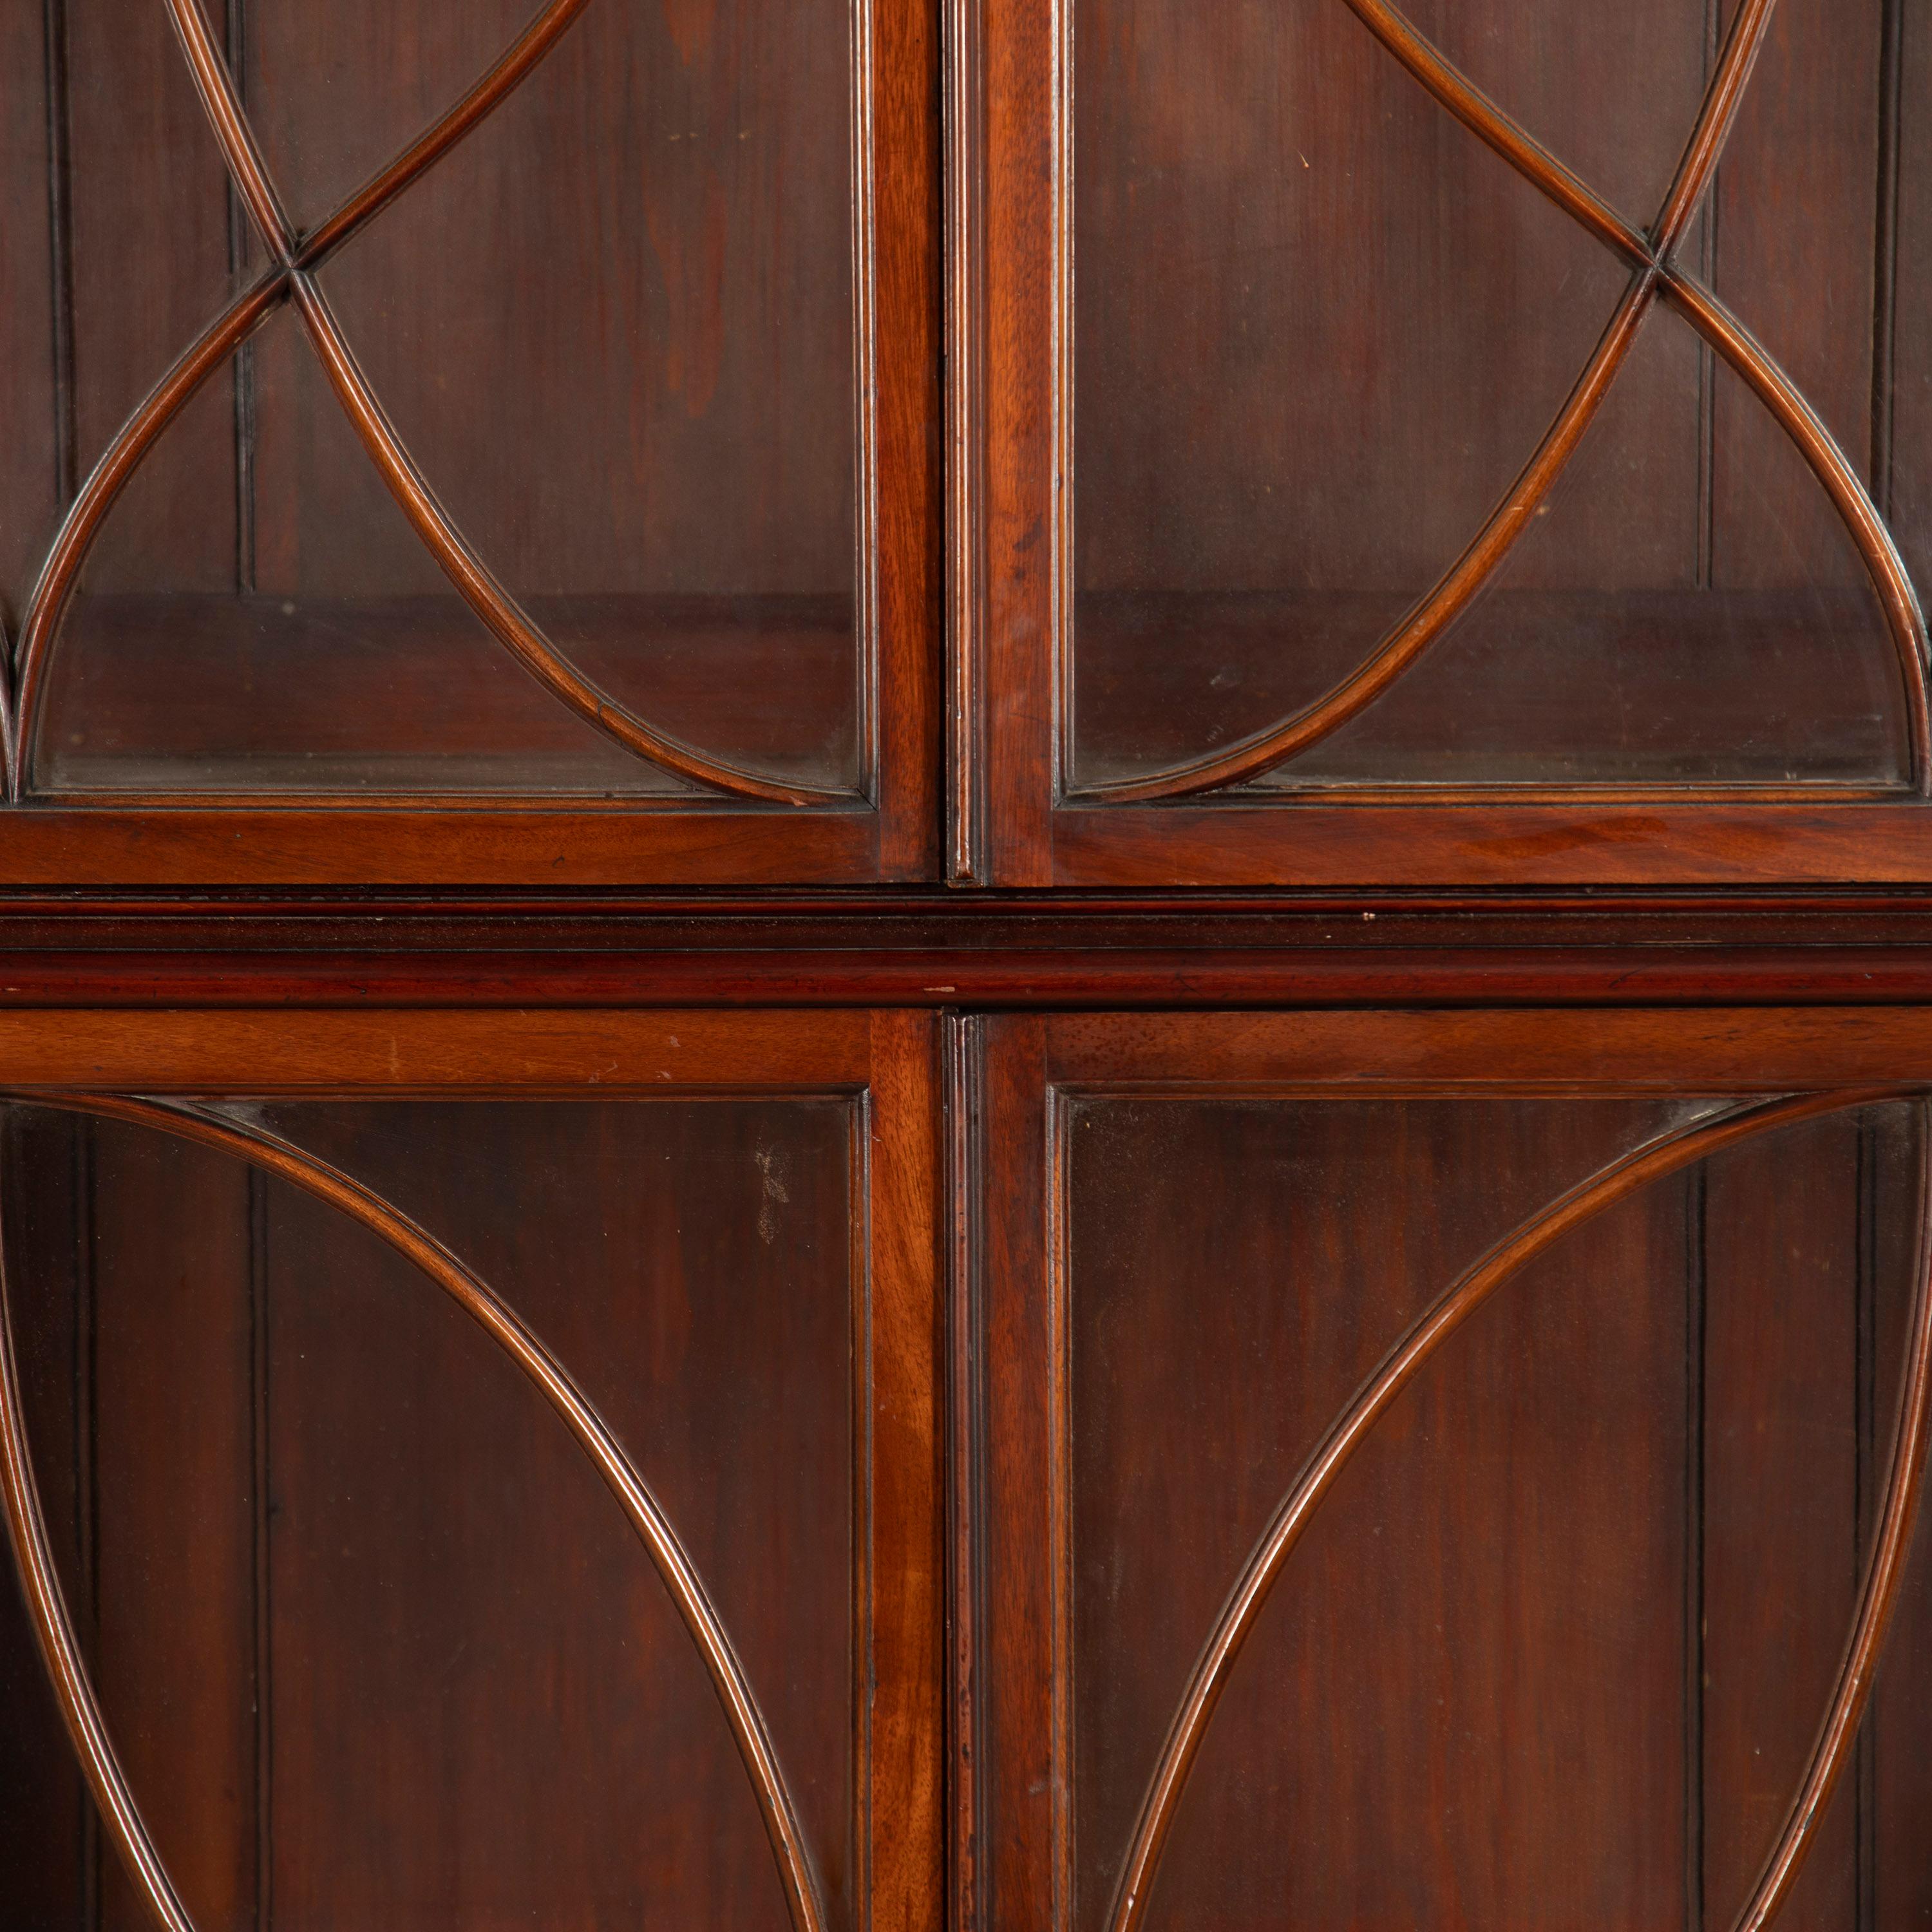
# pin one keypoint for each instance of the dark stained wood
(1012, 1848)
(1200, 466)
(1779, 1490)
(1428, 1722)
(1906, 320)
(1741, 687)
(448, 842)
(1218, 154)
(969, 1194)
(1765, 1052)
(1328, 843)
(904, 1809)
(742, 1269)
(426, 1506)
(1006, 552)
(150, 215)
(1795, 216)
(173, 1467)
(941, 949)
(1702, 1350)
(47, 1836)
(31, 453)
(791, 223)
(410, 693)
(1896, 1802)
(643, 268)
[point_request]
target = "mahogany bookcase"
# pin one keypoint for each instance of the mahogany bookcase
(965, 965)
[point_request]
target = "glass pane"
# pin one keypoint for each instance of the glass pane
(352, 665)
(1612, 91)
(1478, 1693)
(110, 266)
(615, 326)
(1904, 460)
(377, 1644)
(1320, 331)
(1749, 649)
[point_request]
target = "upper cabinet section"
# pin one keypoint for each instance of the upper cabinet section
(489, 443)
(1487, 443)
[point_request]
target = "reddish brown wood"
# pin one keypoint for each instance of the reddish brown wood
(1152, 1239)
(1235, 1277)
(968, 1266)
(33, 181)
(906, 1805)
(1248, 1597)
(890, 238)
(47, 1830)
(1894, 1800)
(173, 1364)
(1780, 1484)
(805, 1180)
(1024, 327)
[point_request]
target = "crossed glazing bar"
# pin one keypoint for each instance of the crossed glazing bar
(298, 259)
(1657, 274)
(53, 1623)
(1668, 1153)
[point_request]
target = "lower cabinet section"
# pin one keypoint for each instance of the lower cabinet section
(1424, 1470)
(1061, 1473)
(502, 1491)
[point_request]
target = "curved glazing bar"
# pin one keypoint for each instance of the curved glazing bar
(213, 347)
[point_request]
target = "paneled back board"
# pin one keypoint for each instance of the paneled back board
(494, 444)
(1470, 443)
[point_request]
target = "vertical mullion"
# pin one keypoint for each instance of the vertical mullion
(964, 1046)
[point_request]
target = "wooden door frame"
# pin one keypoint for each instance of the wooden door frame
(1010, 1077)
(1013, 822)
(161, 1069)
(887, 827)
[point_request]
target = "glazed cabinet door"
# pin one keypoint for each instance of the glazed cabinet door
(493, 443)
(471, 1470)
(1477, 443)
(1444, 1469)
